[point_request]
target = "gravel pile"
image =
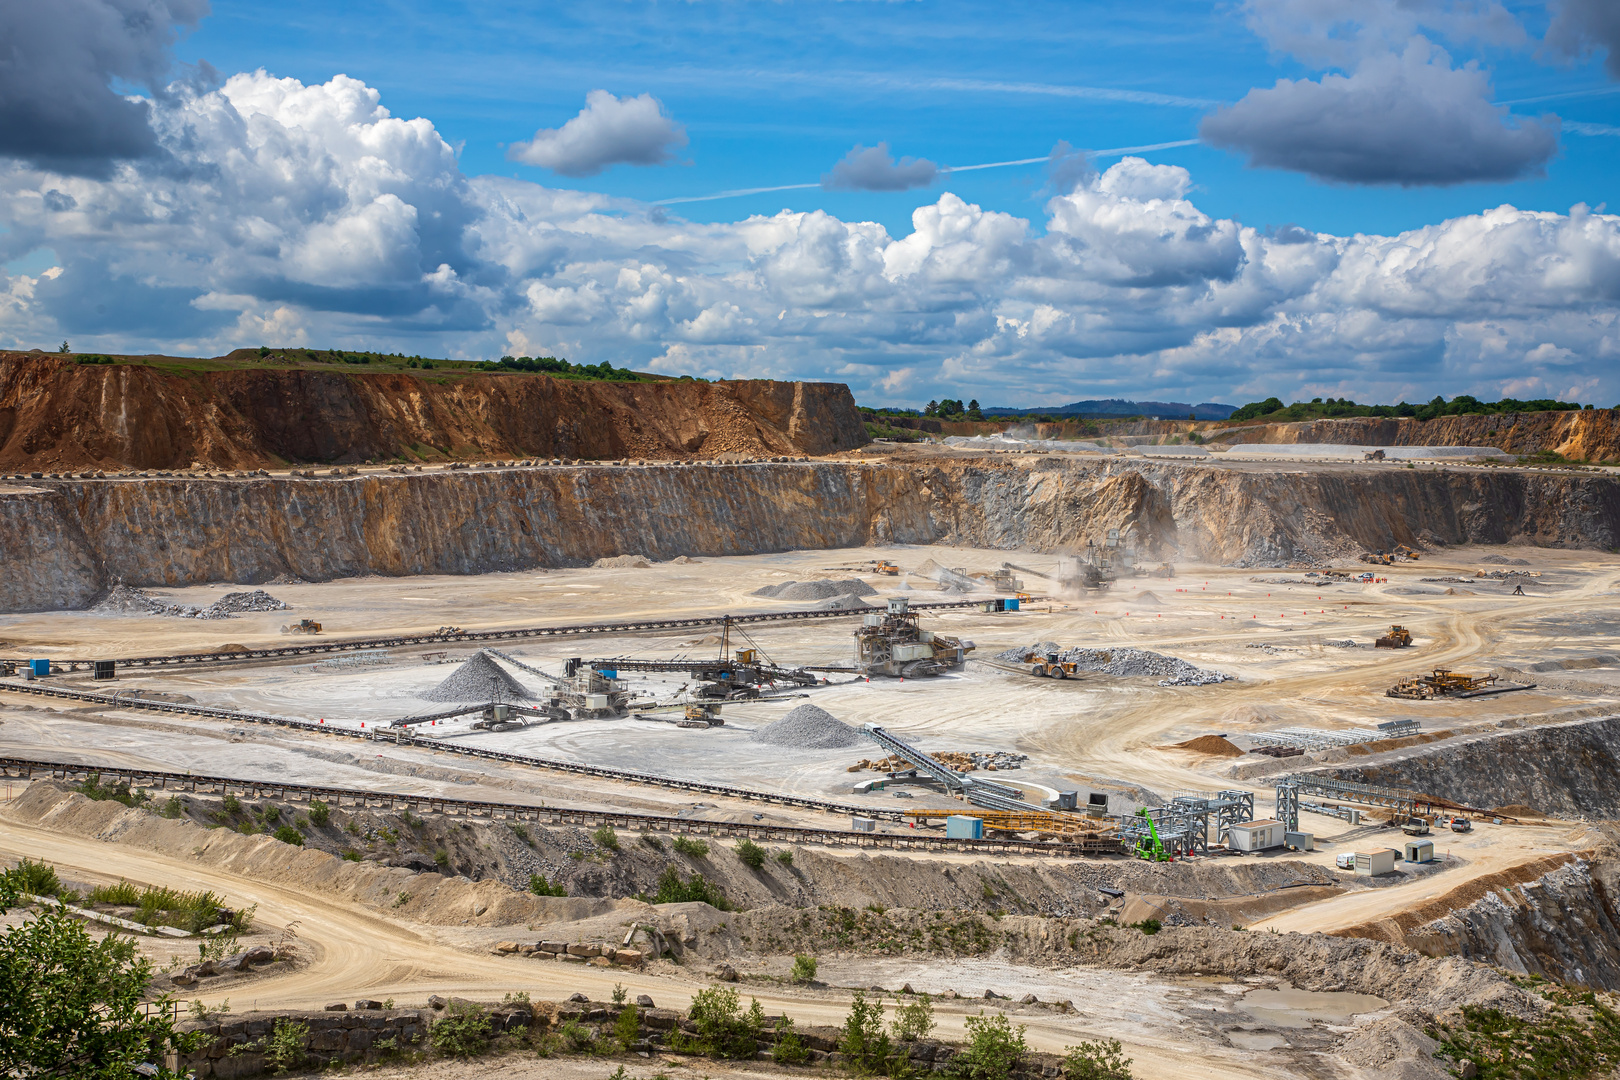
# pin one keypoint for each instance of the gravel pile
(479, 679)
(1503, 560)
(822, 589)
(235, 603)
(127, 600)
(1347, 643)
(1126, 663)
(809, 727)
(843, 603)
(623, 562)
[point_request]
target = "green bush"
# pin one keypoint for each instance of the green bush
(1100, 1060)
(520, 832)
(351, 855)
(804, 969)
(789, 1048)
(687, 846)
(92, 789)
(248, 828)
(696, 890)
(993, 1048)
(289, 835)
(627, 1028)
(463, 1030)
(284, 1048)
(577, 1037)
(914, 1021)
(173, 808)
(750, 854)
(541, 887)
(232, 804)
(269, 812)
(319, 813)
(441, 858)
(723, 1030)
(605, 837)
(37, 878)
(649, 840)
(122, 894)
(1147, 926)
(785, 857)
(863, 1042)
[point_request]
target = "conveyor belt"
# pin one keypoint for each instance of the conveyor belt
(29, 769)
(282, 652)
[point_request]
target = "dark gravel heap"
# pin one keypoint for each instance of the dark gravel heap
(822, 589)
(809, 727)
(480, 678)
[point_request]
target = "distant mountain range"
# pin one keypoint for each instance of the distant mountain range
(1109, 407)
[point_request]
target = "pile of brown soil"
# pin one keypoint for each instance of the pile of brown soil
(1213, 745)
(1516, 810)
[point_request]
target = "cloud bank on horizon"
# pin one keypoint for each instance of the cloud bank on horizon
(260, 209)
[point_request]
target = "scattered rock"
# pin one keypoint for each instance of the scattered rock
(726, 973)
(367, 1005)
(1029, 999)
(906, 989)
(336, 1006)
(644, 1002)
(623, 562)
(436, 1002)
(577, 997)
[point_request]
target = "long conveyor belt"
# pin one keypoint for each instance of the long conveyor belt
(31, 769)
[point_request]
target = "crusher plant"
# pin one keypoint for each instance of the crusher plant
(892, 643)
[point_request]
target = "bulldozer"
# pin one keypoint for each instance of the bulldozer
(1050, 667)
(1399, 637)
(302, 626)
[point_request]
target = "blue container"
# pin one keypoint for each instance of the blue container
(606, 674)
(962, 827)
(41, 668)
(1012, 605)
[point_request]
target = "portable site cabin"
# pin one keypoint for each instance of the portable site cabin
(962, 827)
(1257, 835)
(1376, 862)
(1420, 851)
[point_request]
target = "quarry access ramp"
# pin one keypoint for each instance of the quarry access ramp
(154, 779)
(281, 652)
(401, 737)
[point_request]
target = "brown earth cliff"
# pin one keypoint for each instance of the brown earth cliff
(56, 414)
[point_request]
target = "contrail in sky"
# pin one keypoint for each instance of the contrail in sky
(1117, 151)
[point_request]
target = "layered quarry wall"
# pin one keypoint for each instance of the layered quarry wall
(1563, 770)
(55, 414)
(64, 542)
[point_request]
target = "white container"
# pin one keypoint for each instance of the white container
(1377, 862)
(1257, 835)
(1419, 851)
(906, 653)
(863, 824)
(596, 701)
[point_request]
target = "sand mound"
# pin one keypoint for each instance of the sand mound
(1145, 597)
(1213, 745)
(1251, 714)
(809, 727)
(622, 562)
(479, 679)
(822, 589)
(1516, 810)
(231, 646)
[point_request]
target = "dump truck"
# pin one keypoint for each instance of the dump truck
(1397, 638)
(302, 626)
(1372, 455)
(884, 566)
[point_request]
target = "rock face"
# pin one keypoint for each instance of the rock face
(1586, 434)
(56, 414)
(1562, 925)
(64, 542)
(1564, 770)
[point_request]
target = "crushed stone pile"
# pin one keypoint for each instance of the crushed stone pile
(1127, 663)
(128, 600)
(286, 579)
(843, 603)
(822, 589)
(237, 602)
(809, 727)
(1347, 643)
(1503, 560)
(479, 679)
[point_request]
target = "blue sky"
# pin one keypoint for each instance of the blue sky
(775, 93)
(1378, 199)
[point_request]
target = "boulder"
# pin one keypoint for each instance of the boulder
(726, 973)
(336, 1006)
(367, 1004)
(643, 1001)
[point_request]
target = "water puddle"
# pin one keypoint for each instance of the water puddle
(1290, 1008)
(1256, 1040)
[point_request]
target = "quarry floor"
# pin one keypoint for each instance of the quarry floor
(1095, 734)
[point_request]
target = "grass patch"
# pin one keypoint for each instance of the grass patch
(697, 849)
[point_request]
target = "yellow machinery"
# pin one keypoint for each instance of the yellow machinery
(1050, 667)
(1441, 683)
(302, 626)
(1405, 552)
(884, 566)
(1031, 820)
(1397, 638)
